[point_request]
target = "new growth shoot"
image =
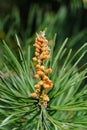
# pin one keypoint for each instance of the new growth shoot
(44, 83)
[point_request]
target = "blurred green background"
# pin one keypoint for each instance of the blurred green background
(66, 18)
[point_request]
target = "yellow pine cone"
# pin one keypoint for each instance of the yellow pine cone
(36, 76)
(47, 86)
(40, 82)
(35, 59)
(44, 84)
(45, 98)
(37, 86)
(48, 71)
(33, 95)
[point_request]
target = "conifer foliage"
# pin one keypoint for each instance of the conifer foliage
(46, 93)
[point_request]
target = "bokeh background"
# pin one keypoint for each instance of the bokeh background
(65, 18)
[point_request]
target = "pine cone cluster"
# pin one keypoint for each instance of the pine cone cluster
(41, 55)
